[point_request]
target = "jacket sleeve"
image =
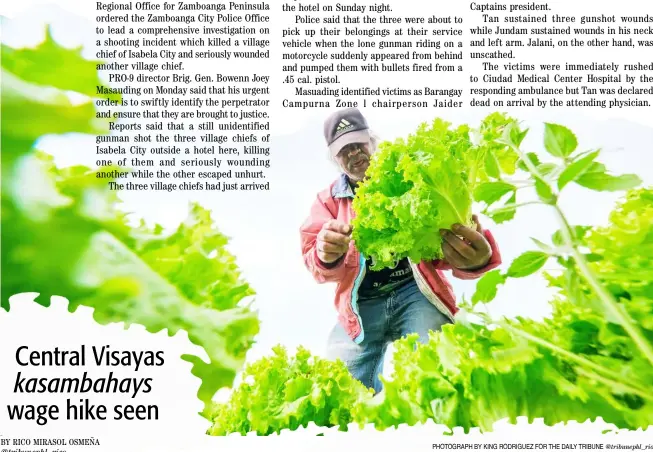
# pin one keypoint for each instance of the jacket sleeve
(308, 233)
(495, 261)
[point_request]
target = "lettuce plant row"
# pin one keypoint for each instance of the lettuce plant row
(591, 358)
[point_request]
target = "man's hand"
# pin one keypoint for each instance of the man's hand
(333, 241)
(465, 248)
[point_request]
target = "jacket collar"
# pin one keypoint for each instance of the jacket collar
(342, 189)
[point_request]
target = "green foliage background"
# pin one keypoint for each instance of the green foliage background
(64, 234)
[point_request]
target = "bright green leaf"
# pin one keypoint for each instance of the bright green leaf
(544, 191)
(517, 136)
(486, 287)
(527, 264)
(597, 167)
(559, 141)
(512, 135)
(546, 169)
(606, 182)
(297, 387)
(576, 169)
(492, 165)
(507, 212)
(491, 192)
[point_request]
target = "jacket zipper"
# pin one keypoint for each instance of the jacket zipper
(428, 293)
(354, 296)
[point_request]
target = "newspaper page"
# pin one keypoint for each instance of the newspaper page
(312, 225)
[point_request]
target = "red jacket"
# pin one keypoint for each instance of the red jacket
(335, 203)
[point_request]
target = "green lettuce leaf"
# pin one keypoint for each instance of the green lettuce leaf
(280, 392)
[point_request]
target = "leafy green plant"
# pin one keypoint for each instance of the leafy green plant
(64, 234)
(282, 392)
(429, 181)
(568, 246)
(591, 358)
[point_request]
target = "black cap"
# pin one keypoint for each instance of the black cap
(345, 127)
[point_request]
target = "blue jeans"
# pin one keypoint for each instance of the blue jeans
(385, 319)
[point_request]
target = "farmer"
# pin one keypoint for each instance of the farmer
(376, 308)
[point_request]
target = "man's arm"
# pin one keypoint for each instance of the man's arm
(324, 244)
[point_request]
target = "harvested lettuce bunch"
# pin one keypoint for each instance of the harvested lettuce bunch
(415, 187)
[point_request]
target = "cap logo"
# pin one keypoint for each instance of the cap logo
(344, 125)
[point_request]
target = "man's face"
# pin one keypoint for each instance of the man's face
(354, 159)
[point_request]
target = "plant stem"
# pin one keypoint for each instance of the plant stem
(616, 378)
(531, 168)
(510, 207)
(609, 302)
